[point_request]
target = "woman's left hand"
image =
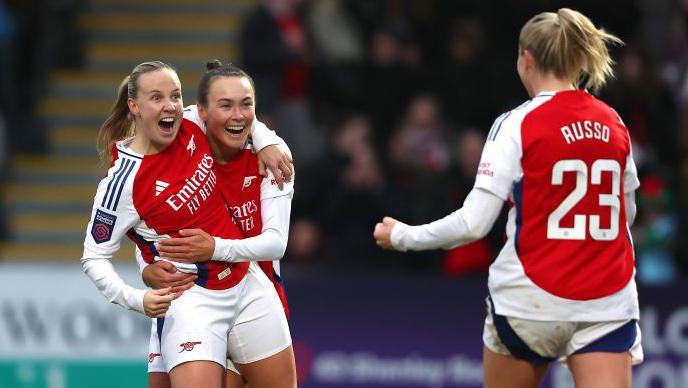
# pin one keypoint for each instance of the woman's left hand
(194, 246)
(278, 162)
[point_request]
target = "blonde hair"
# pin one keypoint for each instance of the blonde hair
(568, 44)
(120, 124)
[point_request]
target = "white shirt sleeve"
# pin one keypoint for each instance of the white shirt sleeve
(112, 216)
(471, 222)
(271, 243)
(139, 259)
(631, 182)
(263, 136)
(108, 282)
(191, 113)
(500, 163)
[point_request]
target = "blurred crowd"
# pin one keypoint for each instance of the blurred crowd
(386, 105)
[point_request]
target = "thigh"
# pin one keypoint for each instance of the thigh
(158, 380)
(234, 380)
(260, 329)
(501, 370)
(156, 364)
(195, 374)
(276, 371)
(601, 369)
(195, 327)
(157, 372)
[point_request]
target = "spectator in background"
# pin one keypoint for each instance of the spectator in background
(418, 158)
(640, 96)
(391, 77)
(275, 50)
(465, 75)
(344, 190)
(339, 52)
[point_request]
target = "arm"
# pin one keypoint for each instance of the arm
(270, 244)
(108, 224)
(631, 184)
(195, 245)
(163, 274)
(499, 168)
(471, 222)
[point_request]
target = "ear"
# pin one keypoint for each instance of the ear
(133, 108)
(529, 58)
(202, 112)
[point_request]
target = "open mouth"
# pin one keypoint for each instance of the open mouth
(166, 123)
(235, 129)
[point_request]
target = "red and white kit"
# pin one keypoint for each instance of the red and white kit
(262, 212)
(563, 162)
(148, 197)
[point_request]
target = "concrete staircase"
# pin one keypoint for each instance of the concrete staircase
(49, 197)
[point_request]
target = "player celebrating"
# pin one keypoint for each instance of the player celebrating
(226, 109)
(563, 285)
(161, 180)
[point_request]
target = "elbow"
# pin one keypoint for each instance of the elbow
(280, 249)
(476, 232)
(278, 244)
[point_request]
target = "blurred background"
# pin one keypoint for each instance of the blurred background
(385, 105)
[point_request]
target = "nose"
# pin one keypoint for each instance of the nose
(236, 114)
(169, 105)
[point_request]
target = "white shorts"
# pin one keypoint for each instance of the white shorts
(245, 323)
(540, 342)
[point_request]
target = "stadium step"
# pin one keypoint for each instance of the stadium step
(48, 199)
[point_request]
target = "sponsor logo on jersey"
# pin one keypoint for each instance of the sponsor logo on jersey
(160, 186)
(247, 181)
(485, 169)
(191, 147)
(103, 225)
(151, 357)
(188, 346)
(197, 188)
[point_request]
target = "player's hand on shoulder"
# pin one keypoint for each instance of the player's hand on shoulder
(383, 232)
(157, 302)
(194, 246)
(278, 161)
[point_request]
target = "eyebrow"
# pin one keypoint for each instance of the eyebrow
(231, 100)
(158, 91)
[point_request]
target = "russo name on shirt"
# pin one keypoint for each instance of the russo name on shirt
(197, 188)
(585, 130)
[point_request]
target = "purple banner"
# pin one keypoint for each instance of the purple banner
(382, 330)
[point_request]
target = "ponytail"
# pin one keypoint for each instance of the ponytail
(118, 125)
(568, 44)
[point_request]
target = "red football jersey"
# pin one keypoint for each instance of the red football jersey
(148, 197)
(241, 189)
(564, 160)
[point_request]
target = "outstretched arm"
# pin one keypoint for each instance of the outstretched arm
(471, 222)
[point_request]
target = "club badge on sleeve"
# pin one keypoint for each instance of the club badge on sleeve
(103, 225)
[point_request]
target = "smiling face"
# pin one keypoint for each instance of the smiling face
(157, 109)
(229, 113)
